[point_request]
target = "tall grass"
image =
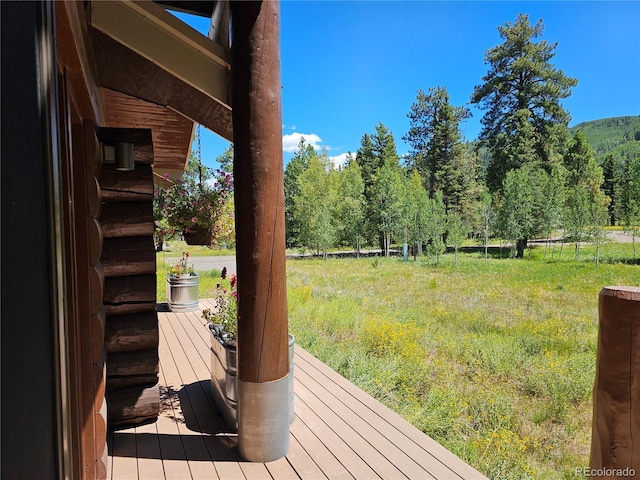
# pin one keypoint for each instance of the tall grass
(495, 361)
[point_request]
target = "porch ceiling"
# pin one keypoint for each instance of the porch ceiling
(159, 73)
(171, 132)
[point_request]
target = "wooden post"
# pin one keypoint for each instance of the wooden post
(263, 356)
(615, 445)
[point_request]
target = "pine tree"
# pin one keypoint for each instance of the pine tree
(587, 205)
(436, 142)
(522, 81)
(375, 150)
(296, 166)
(524, 122)
(629, 199)
(608, 187)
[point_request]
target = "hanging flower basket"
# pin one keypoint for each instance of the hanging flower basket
(198, 235)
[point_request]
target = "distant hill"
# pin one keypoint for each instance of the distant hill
(619, 136)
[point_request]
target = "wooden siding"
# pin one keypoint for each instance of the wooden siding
(339, 430)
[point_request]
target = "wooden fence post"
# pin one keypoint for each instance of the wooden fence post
(615, 444)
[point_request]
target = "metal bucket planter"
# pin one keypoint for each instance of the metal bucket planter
(224, 380)
(182, 292)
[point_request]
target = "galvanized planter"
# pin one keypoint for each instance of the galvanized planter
(224, 380)
(182, 292)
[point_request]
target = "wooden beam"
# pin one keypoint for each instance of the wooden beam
(73, 51)
(123, 70)
(158, 36)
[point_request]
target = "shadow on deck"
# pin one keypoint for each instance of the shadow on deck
(339, 430)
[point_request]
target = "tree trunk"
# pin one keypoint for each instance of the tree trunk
(520, 246)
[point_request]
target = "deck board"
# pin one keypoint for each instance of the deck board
(340, 432)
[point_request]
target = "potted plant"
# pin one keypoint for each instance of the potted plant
(193, 204)
(222, 322)
(182, 286)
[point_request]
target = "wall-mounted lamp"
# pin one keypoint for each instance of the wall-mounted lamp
(124, 156)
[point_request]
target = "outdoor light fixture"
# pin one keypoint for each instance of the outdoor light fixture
(124, 156)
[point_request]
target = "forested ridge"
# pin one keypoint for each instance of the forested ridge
(618, 136)
(528, 175)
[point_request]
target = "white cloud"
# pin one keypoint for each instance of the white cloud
(290, 141)
(339, 160)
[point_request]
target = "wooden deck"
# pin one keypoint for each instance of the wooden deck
(339, 431)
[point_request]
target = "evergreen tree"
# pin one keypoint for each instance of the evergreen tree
(467, 200)
(524, 122)
(375, 150)
(296, 166)
(587, 205)
(629, 198)
(436, 142)
(522, 86)
(610, 174)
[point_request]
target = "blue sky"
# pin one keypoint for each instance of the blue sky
(348, 64)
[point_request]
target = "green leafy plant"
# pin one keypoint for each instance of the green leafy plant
(223, 319)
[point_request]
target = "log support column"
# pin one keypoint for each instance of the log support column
(615, 445)
(263, 358)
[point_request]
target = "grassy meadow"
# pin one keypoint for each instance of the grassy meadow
(495, 361)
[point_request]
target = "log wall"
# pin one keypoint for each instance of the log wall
(129, 295)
